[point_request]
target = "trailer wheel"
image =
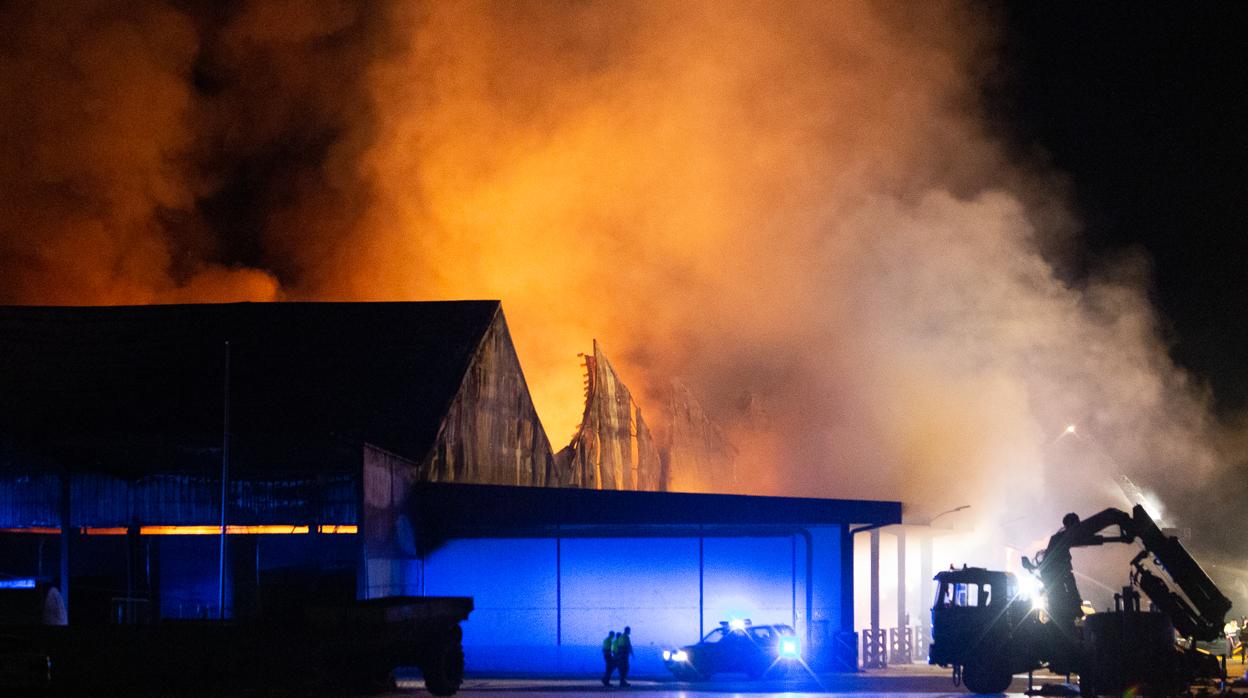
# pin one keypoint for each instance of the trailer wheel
(986, 677)
(375, 682)
(443, 668)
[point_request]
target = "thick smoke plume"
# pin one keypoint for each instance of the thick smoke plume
(797, 209)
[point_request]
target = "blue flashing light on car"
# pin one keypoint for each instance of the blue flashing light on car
(737, 646)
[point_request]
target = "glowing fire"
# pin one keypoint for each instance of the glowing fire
(798, 209)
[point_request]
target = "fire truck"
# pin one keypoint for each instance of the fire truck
(989, 625)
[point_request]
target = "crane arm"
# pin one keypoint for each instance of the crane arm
(1204, 617)
(1201, 618)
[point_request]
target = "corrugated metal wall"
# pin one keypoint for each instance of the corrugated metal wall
(491, 433)
(175, 500)
(613, 448)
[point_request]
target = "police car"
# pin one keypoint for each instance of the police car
(736, 646)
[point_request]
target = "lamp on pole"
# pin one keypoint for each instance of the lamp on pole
(950, 511)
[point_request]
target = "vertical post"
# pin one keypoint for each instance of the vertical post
(66, 534)
(558, 591)
(875, 580)
(903, 618)
(259, 596)
(874, 642)
(793, 579)
(701, 598)
(225, 483)
(926, 592)
(847, 580)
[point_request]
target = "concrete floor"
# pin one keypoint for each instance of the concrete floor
(916, 681)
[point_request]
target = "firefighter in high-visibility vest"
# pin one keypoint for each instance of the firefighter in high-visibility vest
(608, 657)
(623, 650)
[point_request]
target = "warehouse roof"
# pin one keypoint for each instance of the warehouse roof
(445, 510)
(130, 390)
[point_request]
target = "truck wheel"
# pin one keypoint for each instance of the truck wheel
(986, 677)
(376, 682)
(443, 669)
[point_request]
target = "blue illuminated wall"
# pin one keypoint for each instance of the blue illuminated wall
(543, 605)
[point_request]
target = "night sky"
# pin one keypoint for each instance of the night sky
(1143, 107)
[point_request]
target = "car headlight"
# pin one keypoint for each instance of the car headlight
(788, 648)
(680, 656)
(667, 654)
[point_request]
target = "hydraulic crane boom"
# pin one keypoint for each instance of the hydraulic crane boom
(1201, 619)
(1205, 621)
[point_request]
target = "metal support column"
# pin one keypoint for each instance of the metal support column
(874, 641)
(66, 536)
(875, 580)
(903, 617)
(901, 650)
(927, 593)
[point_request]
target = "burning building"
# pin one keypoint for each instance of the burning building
(370, 450)
(613, 447)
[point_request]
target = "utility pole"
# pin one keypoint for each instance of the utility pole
(225, 483)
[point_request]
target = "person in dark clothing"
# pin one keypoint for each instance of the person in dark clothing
(623, 651)
(608, 657)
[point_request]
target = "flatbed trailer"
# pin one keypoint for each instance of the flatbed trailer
(350, 648)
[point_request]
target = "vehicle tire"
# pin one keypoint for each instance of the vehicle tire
(443, 668)
(374, 682)
(697, 674)
(986, 677)
(688, 674)
(1087, 686)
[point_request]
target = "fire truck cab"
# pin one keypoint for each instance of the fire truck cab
(987, 631)
(974, 620)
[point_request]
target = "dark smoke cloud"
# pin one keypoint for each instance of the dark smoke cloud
(797, 208)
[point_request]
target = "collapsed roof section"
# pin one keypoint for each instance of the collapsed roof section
(697, 455)
(613, 448)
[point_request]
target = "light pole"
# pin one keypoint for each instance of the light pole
(925, 564)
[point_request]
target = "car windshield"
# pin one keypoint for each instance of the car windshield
(714, 636)
(761, 634)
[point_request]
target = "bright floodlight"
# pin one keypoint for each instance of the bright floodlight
(788, 647)
(667, 654)
(1030, 587)
(1070, 429)
(1039, 603)
(736, 624)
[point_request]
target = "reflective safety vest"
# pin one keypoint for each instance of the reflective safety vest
(623, 645)
(608, 644)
